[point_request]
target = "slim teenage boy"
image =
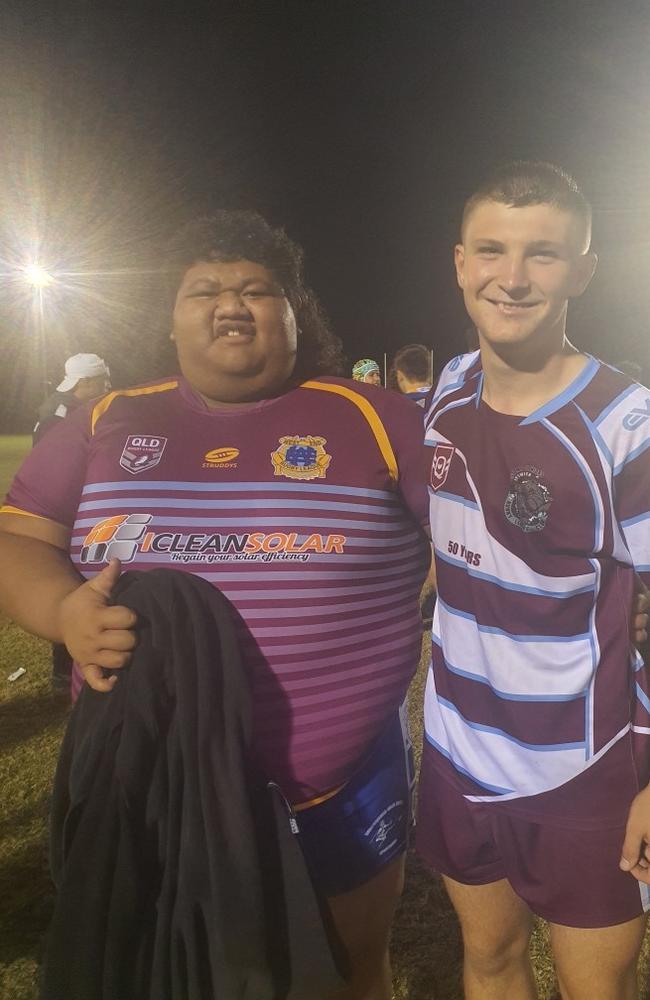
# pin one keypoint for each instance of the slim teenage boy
(533, 796)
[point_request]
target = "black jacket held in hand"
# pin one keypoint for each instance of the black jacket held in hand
(170, 856)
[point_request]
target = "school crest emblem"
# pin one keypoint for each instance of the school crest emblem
(442, 456)
(141, 453)
(528, 500)
(299, 457)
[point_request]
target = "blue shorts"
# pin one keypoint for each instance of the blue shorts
(349, 838)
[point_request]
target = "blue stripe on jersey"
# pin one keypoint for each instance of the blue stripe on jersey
(456, 402)
(507, 585)
(494, 630)
(642, 696)
(450, 387)
(462, 770)
(536, 747)
(506, 695)
(269, 519)
(479, 389)
(614, 403)
(597, 436)
(452, 366)
(152, 484)
(632, 455)
(571, 391)
(331, 505)
(599, 525)
(594, 646)
(635, 520)
(454, 498)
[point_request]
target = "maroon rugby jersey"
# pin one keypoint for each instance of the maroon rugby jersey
(304, 510)
(535, 695)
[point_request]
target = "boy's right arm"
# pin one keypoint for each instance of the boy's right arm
(41, 590)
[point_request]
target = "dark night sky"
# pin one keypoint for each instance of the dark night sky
(361, 127)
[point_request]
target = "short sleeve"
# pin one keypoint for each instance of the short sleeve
(404, 422)
(50, 480)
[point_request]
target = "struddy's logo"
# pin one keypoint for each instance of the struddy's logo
(221, 458)
(299, 457)
(442, 456)
(126, 535)
(115, 537)
(528, 500)
(141, 453)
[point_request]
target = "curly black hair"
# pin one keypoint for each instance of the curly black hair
(243, 235)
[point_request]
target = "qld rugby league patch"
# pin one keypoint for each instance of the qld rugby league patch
(141, 453)
(440, 465)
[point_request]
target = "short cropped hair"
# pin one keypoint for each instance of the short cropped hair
(530, 182)
(243, 235)
(414, 362)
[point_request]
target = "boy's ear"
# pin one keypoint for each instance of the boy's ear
(584, 269)
(459, 261)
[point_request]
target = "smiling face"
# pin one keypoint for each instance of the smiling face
(235, 331)
(518, 267)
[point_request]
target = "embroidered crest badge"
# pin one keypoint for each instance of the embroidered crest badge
(442, 456)
(141, 453)
(301, 457)
(528, 500)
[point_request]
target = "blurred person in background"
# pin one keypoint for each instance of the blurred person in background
(366, 370)
(86, 377)
(413, 367)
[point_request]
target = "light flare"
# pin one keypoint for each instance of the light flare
(37, 276)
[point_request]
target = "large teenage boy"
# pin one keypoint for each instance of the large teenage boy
(533, 795)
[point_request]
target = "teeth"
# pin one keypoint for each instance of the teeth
(233, 333)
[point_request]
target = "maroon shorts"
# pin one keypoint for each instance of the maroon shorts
(566, 875)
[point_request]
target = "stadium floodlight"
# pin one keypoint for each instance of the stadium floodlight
(37, 276)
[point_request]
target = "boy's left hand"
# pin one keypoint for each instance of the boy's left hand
(639, 621)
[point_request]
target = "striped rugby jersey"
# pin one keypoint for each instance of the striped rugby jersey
(538, 524)
(305, 510)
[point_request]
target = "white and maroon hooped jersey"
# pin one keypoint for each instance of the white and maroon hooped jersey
(305, 510)
(539, 524)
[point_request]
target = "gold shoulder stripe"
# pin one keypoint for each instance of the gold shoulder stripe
(371, 416)
(146, 390)
(8, 509)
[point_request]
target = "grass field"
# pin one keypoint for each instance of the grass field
(426, 943)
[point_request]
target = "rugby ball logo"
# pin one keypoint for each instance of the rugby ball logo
(219, 455)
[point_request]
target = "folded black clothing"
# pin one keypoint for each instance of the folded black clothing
(178, 876)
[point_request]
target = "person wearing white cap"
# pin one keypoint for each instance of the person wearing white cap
(86, 376)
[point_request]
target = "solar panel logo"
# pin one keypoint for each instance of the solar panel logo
(115, 538)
